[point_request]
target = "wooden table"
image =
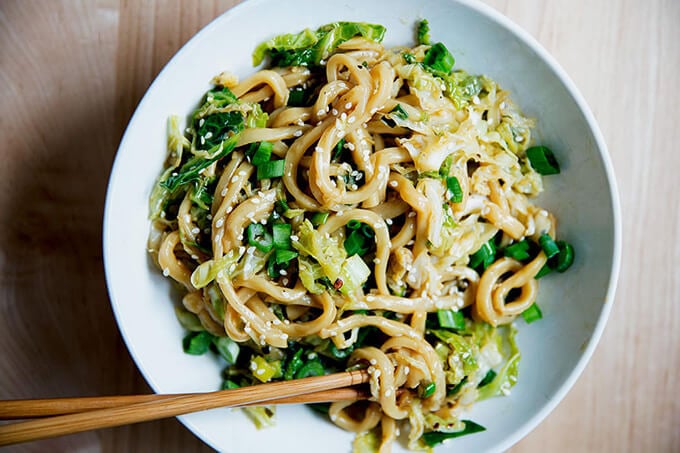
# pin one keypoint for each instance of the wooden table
(72, 73)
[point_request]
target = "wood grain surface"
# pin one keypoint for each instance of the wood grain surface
(71, 74)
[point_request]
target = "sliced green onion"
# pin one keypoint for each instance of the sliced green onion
(259, 237)
(339, 354)
(227, 348)
(409, 58)
(311, 368)
(281, 233)
(319, 218)
(270, 169)
(272, 271)
(428, 390)
(423, 32)
(400, 112)
(338, 149)
(229, 385)
(445, 168)
(490, 376)
(566, 256)
(281, 206)
(450, 319)
(353, 224)
(532, 314)
(548, 245)
(518, 250)
(454, 186)
(456, 388)
(293, 365)
(545, 270)
(299, 97)
(485, 256)
(438, 58)
(433, 438)
(355, 243)
(367, 231)
(284, 256)
(543, 160)
(263, 153)
(197, 343)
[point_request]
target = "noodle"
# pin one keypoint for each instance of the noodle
(355, 211)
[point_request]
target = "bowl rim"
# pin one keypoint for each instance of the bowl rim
(527, 39)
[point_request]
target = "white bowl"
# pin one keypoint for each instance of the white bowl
(583, 197)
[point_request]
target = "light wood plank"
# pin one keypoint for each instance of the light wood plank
(72, 73)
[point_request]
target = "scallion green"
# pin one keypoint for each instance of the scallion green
(566, 256)
(399, 112)
(488, 378)
(284, 256)
(548, 245)
(355, 243)
(543, 160)
(450, 319)
(532, 314)
(259, 237)
(262, 154)
(197, 343)
(518, 250)
(270, 169)
(438, 58)
(311, 368)
(428, 390)
(281, 233)
(319, 218)
(433, 438)
(485, 256)
(454, 187)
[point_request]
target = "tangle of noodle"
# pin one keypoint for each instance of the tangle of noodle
(368, 148)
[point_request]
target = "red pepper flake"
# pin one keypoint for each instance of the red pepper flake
(338, 284)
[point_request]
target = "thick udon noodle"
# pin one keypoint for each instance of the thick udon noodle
(363, 83)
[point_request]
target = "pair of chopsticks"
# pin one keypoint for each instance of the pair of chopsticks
(73, 415)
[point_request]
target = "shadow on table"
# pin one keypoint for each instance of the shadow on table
(58, 331)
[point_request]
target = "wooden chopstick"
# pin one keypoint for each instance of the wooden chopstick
(173, 405)
(35, 408)
(49, 407)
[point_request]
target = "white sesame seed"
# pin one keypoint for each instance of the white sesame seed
(318, 149)
(294, 237)
(229, 209)
(334, 111)
(166, 272)
(283, 272)
(195, 230)
(259, 372)
(412, 214)
(297, 134)
(343, 116)
(394, 183)
(351, 119)
(376, 260)
(256, 200)
(388, 221)
(348, 105)
(209, 135)
(224, 192)
(219, 222)
(233, 179)
(201, 122)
